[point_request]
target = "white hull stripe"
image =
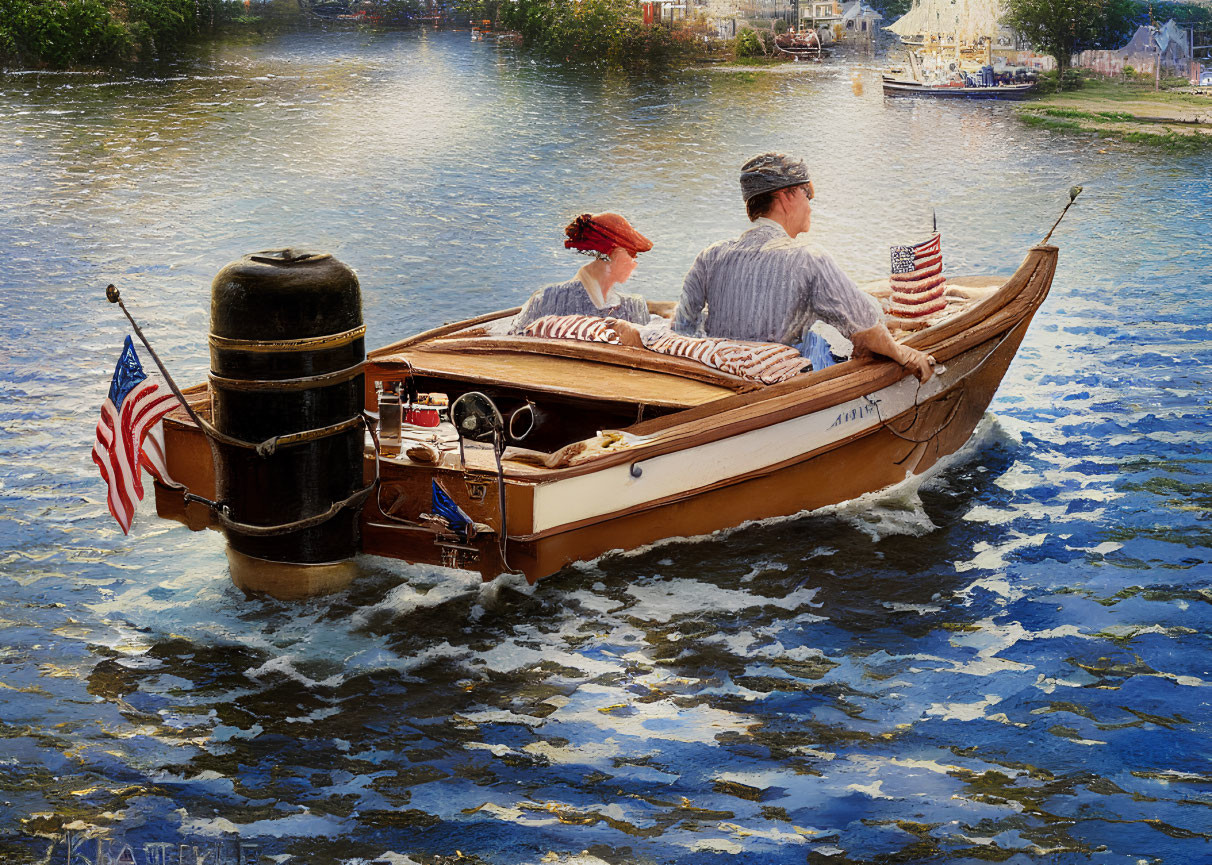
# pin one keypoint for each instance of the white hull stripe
(614, 489)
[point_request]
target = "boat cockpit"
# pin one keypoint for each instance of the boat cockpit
(561, 401)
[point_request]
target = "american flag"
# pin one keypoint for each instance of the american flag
(917, 279)
(125, 437)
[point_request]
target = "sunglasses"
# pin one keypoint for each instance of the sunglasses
(805, 188)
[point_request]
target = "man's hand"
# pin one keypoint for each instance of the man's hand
(877, 340)
(628, 333)
(917, 362)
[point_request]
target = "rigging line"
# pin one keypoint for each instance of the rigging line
(263, 449)
(222, 511)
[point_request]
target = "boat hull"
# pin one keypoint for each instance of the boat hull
(814, 441)
(911, 88)
(883, 456)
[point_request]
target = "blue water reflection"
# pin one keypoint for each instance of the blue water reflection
(1005, 663)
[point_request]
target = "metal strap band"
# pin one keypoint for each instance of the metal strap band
(324, 380)
(271, 445)
(308, 343)
(353, 501)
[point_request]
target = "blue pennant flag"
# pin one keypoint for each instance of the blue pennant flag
(444, 506)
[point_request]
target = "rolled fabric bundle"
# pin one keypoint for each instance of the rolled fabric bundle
(765, 362)
(586, 328)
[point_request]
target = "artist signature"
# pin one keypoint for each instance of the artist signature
(86, 848)
(862, 411)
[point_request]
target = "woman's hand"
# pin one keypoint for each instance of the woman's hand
(628, 333)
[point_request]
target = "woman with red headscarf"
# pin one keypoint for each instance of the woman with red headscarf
(614, 244)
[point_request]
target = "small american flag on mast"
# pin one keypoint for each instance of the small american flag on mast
(917, 279)
(125, 440)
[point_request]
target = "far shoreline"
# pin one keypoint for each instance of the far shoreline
(1176, 116)
(1128, 110)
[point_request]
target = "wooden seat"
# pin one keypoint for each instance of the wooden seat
(569, 376)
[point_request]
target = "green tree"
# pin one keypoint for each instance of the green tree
(65, 33)
(1119, 21)
(479, 10)
(611, 32)
(749, 44)
(1059, 28)
(891, 9)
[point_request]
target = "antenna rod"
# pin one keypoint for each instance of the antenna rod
(1074, 192)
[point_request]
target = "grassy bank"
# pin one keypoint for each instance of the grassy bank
(1127, 110)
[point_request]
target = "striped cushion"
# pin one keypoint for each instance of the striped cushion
(586, 328)
(765, 362)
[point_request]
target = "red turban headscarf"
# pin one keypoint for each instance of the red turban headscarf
(604, 232)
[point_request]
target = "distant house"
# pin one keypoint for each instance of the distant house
(834, 20)
(765, 10)
(823, 16)
(664, 10)
(859, 21)
(1168, 44)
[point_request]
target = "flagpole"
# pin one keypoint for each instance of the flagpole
(113, 296)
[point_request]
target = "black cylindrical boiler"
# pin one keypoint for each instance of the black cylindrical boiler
(287, 348)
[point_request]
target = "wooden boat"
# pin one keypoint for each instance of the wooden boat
(906, 87)
(630, 447)
(806, 45)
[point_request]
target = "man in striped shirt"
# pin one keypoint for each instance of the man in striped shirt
(771, 285)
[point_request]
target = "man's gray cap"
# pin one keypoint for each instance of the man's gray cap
(771, 171)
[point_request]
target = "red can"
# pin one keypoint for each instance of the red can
(422, 415)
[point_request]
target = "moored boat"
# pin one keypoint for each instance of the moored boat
(600, 447)
(805, 44)
(905, 87)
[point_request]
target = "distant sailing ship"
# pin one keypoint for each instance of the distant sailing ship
(952, 45)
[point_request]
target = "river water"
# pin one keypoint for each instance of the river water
(1007, 662)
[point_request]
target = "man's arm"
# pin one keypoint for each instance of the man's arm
(663, 308)
(877, 340)
(838, 301)
(628, 333)
(688, 317)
